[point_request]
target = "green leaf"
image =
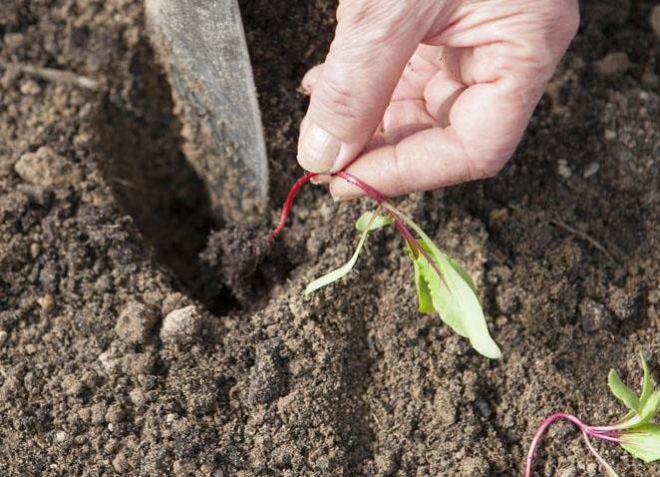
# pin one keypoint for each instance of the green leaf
(650, 407)
(438, 292)
(453, 296)
(461, 271)
(647, 386)
(622, 392)
(378, 222)
(342, 271)
(424, 299)
(632, 418)
(643, 442)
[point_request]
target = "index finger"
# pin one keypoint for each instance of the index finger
(486, 124)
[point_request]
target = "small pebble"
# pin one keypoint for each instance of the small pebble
(46, 168)
(622, 303)
(593, 315)
(85, 414)
(46, 302)
(135, 323)
(591, 170)
(137, 397)
(610, 135)
(563, 170)
(110, 360)
(30, 348)
(614, 64)
(181, 325)
(119, 463)
(30, 88)
(98, 411)
(3, 337)
(115, 413)
(60, 436)
(13, 40)
(72, 386)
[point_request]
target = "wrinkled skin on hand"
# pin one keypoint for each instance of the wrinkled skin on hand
(416, 95)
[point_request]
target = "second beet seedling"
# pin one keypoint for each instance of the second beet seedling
(635, 432)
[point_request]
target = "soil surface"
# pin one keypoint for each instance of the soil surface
(130, 347)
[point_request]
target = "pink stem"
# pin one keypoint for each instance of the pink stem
(401, 227)
(595, 453)
(587, 431)
(541, 431)
(288, 203)
(604, 436)
(614, 429)
(371, 192)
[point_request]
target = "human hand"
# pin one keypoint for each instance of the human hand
(416, 95)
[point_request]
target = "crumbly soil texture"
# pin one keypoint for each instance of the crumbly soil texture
(141, 336)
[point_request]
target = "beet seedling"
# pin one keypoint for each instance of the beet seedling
(634, 432)
(442, 285)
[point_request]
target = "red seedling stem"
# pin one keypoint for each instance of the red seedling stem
(587, 431)
(370, 191)
(288, 203)
(373, 194)
(291, 196)
(398, 223)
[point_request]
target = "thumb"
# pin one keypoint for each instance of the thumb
(373, 42)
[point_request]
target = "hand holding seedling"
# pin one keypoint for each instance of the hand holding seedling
(416, 95)
(442, 284)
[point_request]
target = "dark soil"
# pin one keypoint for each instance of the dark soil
(102, 230)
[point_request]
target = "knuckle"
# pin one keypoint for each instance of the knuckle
(490, 167)
(360, 11)
(375, 20)
(337, 96)
(493, 167)
(485, 164)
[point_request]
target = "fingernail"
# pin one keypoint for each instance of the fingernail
(343, 192)
(318, 149)
(340, 198)
(321, 179)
